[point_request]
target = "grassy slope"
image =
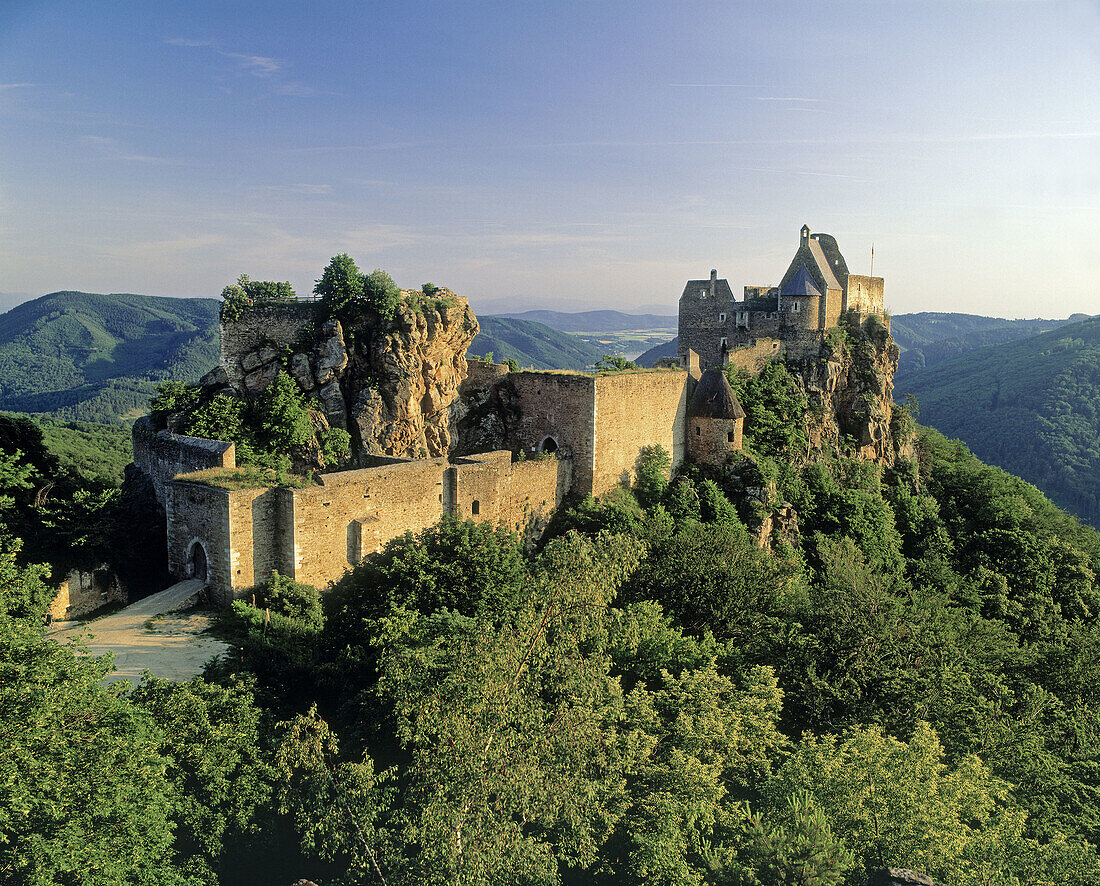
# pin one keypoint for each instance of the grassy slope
(532, 344)
(1031, 407)
(93, 357)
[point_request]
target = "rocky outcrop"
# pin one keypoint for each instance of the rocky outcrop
(391, 384)
(850, 389)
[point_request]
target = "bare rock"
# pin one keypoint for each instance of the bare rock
(260, 379)
(215, 378)
(332, 354)
(300, 371)
(250, 361)
(335, 409)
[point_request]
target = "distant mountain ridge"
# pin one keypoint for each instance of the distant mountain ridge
(928, 338)
(85, 356)
(594, 321)
(532, 344)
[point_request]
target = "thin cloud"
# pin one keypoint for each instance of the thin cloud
(340, 149)
(112, 149)
(295, 88)
(6, 86)
(304, 189)
(778, 98)
(183, 41)
(257, 65)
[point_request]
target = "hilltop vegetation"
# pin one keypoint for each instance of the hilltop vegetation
(649, 697)
(1031, 406)
(90, 357)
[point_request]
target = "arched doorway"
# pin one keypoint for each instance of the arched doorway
(197, 560)
(549, 444)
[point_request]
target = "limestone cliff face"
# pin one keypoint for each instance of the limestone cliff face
(390, 385)
(850, 388)
(399, 383)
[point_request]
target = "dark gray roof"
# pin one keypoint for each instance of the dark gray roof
(722, 291)
(714, 398)
(801, 283)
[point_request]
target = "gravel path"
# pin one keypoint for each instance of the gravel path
(153, 634)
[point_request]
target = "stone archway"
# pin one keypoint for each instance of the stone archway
(196, 561)
(548, 444)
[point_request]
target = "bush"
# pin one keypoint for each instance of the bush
(291, 598)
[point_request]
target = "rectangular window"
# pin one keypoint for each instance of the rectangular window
(729, 437)
(698, 431)
(797, 307)
(475, 508)
(723, 344)
(721, 318)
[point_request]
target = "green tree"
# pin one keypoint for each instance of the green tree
(282, 420)
(614, 363)
(341, 284)
(381, 294)
(216, 758)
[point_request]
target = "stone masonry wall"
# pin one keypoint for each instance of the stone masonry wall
(281, 322)
(521, 494)
(200, 513)
(633, 410)
(356, 512)
(163, 455)
(560, 406)
(257, 520)
(84, 592)
(709, 439)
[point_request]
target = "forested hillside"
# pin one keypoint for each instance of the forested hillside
(911, 677)
(93, 357)
(929, 338)
(595, 321)
(532, 345)
(1031, 406)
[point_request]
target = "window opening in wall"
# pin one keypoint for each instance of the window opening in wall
(723, 344)
(797, 307)
(475, 508)
(730, 437)
(549, 444)
(721, 318)
(698, 431)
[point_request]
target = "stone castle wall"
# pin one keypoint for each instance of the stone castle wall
(257, 530)
(356, 512)
(558, 406)
(83, 592)
(520, 494)
(200, 514)
(162, 455)
(634, 410)
(280, 322)
(709, 439)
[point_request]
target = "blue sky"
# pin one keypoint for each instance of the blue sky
(569, 155)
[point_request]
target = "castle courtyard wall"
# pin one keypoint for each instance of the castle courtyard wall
(354, 513)
(257, 531)
(520, 494)
(559, 406)
(634, 410)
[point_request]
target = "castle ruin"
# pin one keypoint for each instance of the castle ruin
(442, 436)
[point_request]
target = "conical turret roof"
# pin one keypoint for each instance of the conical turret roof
(801, 284)
(714, 398)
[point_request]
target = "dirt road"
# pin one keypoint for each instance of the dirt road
(155, 634)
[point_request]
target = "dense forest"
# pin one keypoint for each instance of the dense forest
(1031, 406)
(648, 696)
(90, 357)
